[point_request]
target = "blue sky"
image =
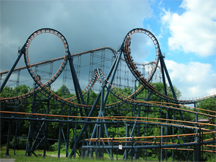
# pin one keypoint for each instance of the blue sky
(192, 69)
(186, 30)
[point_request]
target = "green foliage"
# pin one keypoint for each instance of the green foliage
(208, 104)
(7, 92)
(11, 92)
(20, 143)
(54, 147)
(211, 157)
(63, 92)
(22, 89)
(123, 110)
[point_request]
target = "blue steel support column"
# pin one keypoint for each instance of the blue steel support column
(100, 126)
(171, 86)
(147, 127)
(161, 150)
(167, 131)
(172, 89)
(68, 127)
(59, 139)
(87, 102)
(165, 90)
(163, 75)
(15, 138)
(16, 130)
(138, 125)
(38, 133)
(102, 99)
(168, 78)
(46, 127)
(131, 134)
(75, 80)
(127, 135)
(112, 78)
(111, 81)
(173, 132)
(88, 126)
(76, 86)
(13, 67)
(173, 93)
(28, 140)
(115, 64)
(138, 135)
(75, 141)
(8, 140)
(107, 93)
(196, 152)
(65, 141)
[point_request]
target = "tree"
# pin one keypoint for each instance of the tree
(7, 92)
(63, 91)
(208, 104)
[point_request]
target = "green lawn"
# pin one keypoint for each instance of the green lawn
(21, 158)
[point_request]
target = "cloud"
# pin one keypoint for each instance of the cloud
(212, 91)
(85, 24)
(193, 79)
(194, 30)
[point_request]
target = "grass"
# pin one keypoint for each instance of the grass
(21, 158)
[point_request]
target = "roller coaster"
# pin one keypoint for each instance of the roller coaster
(181, 135)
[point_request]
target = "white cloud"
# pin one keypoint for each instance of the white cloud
(85, 24)
(194, 30)
(212, 91)
(193, 79)
(194, 89)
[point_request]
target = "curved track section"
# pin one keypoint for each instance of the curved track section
(63, 64)
(126, 99)
(137, 74)
(27, 95)
(128, 57)
(60, 58)
(88, 87)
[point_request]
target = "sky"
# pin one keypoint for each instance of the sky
(185, 29)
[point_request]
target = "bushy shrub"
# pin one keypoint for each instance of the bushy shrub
(54, 147)
(20, 143)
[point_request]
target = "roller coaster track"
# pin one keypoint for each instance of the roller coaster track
(170, 103)
(125, 118)
(127, 56)
(128, 59)
(128, 139)
(88, 87)
(129, 100)
(137, 74)
(27, 95)
(60, 58)
(99, 74)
